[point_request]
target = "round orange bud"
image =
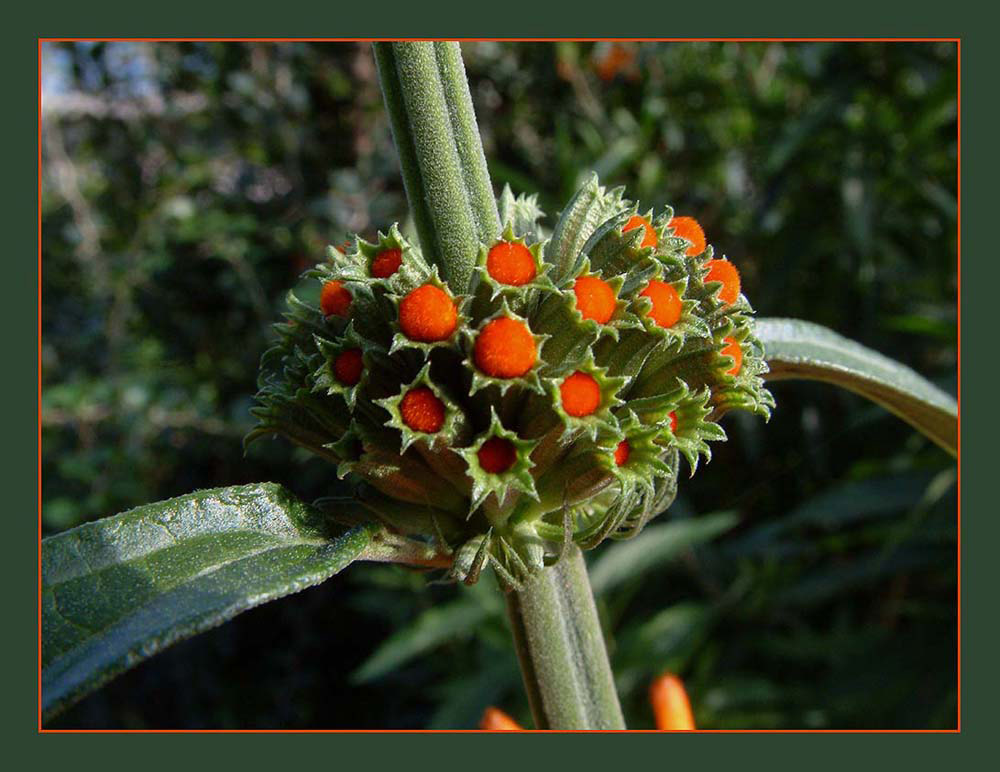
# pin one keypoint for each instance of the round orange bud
(622, 452)
(334, 299)
(648, 234)
(386, 263)
(510, 263)
(688, 228)
(724, 271)
(497, 455)
(422, 411)
(427, 314)
(666, 310)
(733, 350)
(581, 394)
(673, 422)
(347, 366)
(594, 299)
(505, 348)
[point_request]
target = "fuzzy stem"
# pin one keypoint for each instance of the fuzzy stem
(554, 619)
(561, 649)
(440, 153)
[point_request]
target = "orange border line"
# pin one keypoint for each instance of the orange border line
(502, 40)
(39, 323)
(488, 731)
(958, 388)
(958, 41)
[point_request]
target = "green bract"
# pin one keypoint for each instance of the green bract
(495, 466)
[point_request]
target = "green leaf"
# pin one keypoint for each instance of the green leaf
(840, 506)
(428, 631)
(461, 700)
(797, 349)
(870, 567)
(590, 207)
(655, 545)
(121, 589)
(667, 640)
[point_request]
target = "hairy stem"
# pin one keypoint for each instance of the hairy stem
(561, 649)
(554, 620)
(444, 168)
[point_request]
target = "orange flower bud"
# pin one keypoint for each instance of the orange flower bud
(666, 310)
(497, 455)
(334, 299)
(617, 59)
(427, 314)
(495, 720)
(649, 234)
(422, 411)
(347, 366)
(622, 452)
(671, 706)
(505, 348)
(688, 228)
(386, 263)
(509, 262)
(724, 271)
(673, 421)
(594, 299)
(581, 394)
(733, 350)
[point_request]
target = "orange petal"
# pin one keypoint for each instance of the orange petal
(495, 720)
(348, 366)
(510, 263)
(689, 228)
(594, 299)
(671, 706)
(497, 455)
(580, 394)
(505, 348)
(667, 305)
(422, 411)
(732, 349)
(722, 270)
(649, 238)
(335, 299)
(386, 263)
(427, 314)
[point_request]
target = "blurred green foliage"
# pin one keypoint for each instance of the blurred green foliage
(806, 578)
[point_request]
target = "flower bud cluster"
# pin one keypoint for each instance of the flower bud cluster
(549, 401)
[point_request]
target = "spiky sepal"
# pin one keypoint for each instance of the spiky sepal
(488, 479)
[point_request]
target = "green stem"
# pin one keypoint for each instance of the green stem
(561, 649)
(440, 152)
(554, 620)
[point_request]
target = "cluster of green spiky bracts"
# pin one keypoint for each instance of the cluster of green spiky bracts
(504, 472)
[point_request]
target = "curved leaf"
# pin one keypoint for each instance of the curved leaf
(119, 590)
(797, 349)
(655, 545)
(432, 628)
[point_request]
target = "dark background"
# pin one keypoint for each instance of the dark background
(185, 187)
